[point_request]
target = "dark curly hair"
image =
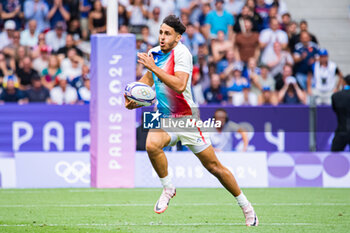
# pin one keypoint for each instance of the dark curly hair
(174, 22)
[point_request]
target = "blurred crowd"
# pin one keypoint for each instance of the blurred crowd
(245, 52)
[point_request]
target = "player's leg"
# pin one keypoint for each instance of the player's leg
(212, 164)
(156, 140)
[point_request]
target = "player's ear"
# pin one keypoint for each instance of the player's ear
(178, 37)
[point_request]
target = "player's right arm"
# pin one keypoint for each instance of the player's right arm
(146, 79)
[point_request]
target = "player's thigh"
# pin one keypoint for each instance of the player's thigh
(157, 138)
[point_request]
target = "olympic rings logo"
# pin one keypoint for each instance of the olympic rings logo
(72, 173)
(144, 93)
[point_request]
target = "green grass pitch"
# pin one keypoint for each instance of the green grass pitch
(192, 210)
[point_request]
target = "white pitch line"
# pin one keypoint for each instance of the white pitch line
(21, 191)
(163, 224)
(174, 204)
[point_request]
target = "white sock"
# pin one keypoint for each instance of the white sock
(166, 182)
(242, 200)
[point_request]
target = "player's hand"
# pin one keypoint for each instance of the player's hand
(130, 104)
(146, 60)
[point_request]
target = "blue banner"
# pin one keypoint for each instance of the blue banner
(41, 127)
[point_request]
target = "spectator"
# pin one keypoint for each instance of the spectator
(57, 38)
(247, 13)
(296, 38)
(225, 66)
(251, 69)
(74, 30)
(273, 13)
(41, 43)
(280, 78)
(267, 97)
(59, 11)
(205, 9)
(78, 82)
(216, 93)
(50, 74)
(123, 29)
(197, 88)
(219, 20)
(70, 44)
(204, 71)
(10, 49)
(304, 56)
(263, 10)
(73, 6)
(185, 18)
(278, 59)
(38, 93)
(263, 86)
(291, 93)
(281, 5)
(63, 93)
(323, 74)
(154, 23)
(268, 37)
(7, 34)
(72, 65)
(340, 105)
(147, 38)
(26, 74)
(122, 15)
(12, 10)
(194, 10)
(137, 14)
(11, 93)
(222, 139)
(167, 7)
(29, 37)
(286, 20)
(141, 46)
(37, 10)
(42, 62)
(84, 93)
(22, 52)
(84, 8)
(220, 46)
(192, 39)
(291, 32)
(5, 69)
(233, 7)
(237, 86)
(184, 6)
(97, 18)
(247, 43)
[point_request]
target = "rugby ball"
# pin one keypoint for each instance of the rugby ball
(141, 93)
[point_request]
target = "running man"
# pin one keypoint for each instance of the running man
(170, 69)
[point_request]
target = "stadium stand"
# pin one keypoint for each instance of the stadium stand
(223, 37)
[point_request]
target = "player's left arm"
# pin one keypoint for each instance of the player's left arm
(177, 82)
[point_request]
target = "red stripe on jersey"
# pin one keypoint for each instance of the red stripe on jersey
(179, 105)
(200, 132)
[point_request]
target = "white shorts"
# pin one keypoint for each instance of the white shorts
(195, 141)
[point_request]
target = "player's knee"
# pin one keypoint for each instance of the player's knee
(152, 147)
(214, 168)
